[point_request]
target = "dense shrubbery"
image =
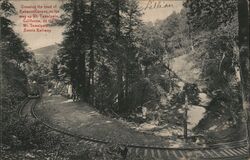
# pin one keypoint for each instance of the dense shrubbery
(23, 133)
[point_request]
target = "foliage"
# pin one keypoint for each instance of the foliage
(14, 55)
(176, 34)
(120, 46)
(105, 92)
(97, 34)
(14, 83)
(189, 92)
(152, 47)
(214, 30)
(38, 71)
(209, 15)
(108, 38)
(11, 43)
(192, 93)
(73, 53)
(22, 133)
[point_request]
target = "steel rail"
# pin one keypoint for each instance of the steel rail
(229, 145)
(21, 106)
(213, 146)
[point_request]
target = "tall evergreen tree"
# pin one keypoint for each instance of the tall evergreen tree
(73, 52)
(13, 52)
(119, 52)
(131, 24)
(13, 80)
(107, 37)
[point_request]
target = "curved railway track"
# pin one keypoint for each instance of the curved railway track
(232, 151)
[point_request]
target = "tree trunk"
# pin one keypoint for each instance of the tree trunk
(119, 56)
(82, 76)
(120, 85)
(126, 83)
(244, 58)
(91, 56)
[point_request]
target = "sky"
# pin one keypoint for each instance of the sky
(152, 10)
(159, 9)
(36, 40)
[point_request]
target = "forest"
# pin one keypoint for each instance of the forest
(119, 64)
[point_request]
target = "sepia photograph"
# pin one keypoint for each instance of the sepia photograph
(124, 80)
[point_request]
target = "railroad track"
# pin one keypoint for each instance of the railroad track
(21, 106)
(231, 151)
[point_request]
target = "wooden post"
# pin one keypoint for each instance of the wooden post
(244, 60)
(185, 118)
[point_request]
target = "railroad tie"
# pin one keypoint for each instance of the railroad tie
(153, 153)
(145, 152)
(244, 149)
(159, 153)
(217, 154)
(167, 153)
(209, 153)
(232, 151)
(241, 151)
(136, 151)
(200, 153)
(129, 150)
(224, 154)
(175, 155)
(180, 152)
(231, 154)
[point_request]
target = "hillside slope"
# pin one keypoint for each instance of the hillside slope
(46, 52)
